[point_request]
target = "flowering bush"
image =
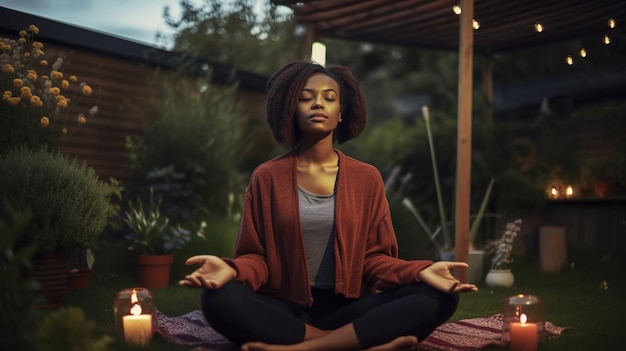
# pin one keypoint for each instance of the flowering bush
(502, 258)
(37, 97)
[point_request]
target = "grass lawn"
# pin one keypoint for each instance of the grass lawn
(576, 297)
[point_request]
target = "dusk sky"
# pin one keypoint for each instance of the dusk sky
(138, 20)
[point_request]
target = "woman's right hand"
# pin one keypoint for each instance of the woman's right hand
(212, 274)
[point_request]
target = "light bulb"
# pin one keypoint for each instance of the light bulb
(569, 59)
(583, 52)
(538, 27)
(611, 23)
(456, 9)
(475, 24)
(606, 39)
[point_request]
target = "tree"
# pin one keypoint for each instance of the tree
(236, 34)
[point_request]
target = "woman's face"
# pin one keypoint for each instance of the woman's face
(319, 108)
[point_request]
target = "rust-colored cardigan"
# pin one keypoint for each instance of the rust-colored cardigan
(270, 254)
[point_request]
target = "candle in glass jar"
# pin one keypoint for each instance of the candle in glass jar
(523, 335)
(137, 327)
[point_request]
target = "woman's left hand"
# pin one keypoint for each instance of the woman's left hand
(438, 276)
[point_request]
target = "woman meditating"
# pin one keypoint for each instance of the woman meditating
(316, 262)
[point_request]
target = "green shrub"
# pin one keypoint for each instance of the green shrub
(68, 329)
(68, 201)
(190, 151)
(17, 315)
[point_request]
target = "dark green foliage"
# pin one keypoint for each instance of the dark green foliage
(68, 201)
(152, 232)
(17, 298)
(67, 329)
(189, 153)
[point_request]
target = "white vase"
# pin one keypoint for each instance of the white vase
(500, 278)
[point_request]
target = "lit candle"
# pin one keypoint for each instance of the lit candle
(554, 193)
(569, 192)
(523, 335)
(137, 326)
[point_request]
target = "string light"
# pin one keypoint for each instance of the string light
(611, 23)
(583, 52)
(569, 60)
(456, 9)
(606, 39)
(538, 27)
(475, 24)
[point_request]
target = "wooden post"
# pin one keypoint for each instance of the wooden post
(464, 137)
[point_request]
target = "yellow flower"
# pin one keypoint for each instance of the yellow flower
(18, 83)
(31, 75)
(33, 28)
(87, 90)
(64, 131)
(65, 84)
(44, 121)
(73, 79)
(8, 68)
(25, 93)
(21, 41)
(81, 118)
(14, 101)
(54, 91)
(43, 62)
(56, 75)
(62, 103)
(37, 45)
(36, 101)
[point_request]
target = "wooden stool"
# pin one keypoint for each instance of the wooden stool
(552, 248)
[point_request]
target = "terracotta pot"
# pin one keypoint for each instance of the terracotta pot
(502, 278)
(50, 271)
(80, 279)
(153, 271)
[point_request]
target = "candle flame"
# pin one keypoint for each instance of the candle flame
(523, 319)
(135, 310)
(133, 298)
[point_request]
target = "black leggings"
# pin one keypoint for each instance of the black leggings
(242, 315)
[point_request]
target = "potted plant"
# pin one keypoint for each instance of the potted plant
(154, 238)
(68, 203)
(500, 274)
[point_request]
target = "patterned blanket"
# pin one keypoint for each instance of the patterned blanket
(191, 329)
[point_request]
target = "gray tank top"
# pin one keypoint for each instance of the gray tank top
(317, 217)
